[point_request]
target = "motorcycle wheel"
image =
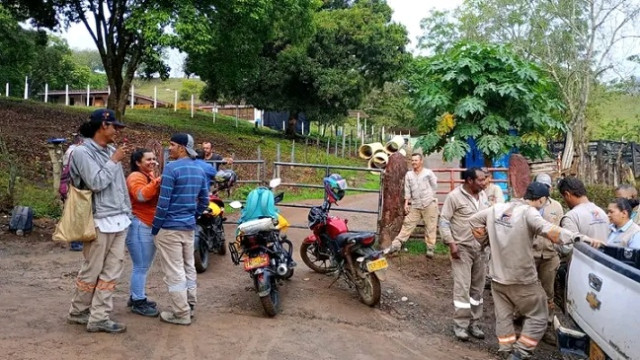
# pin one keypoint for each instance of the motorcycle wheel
(271, 302)
(201, 253)
(289, 274)
(311, 258)
(369, 289)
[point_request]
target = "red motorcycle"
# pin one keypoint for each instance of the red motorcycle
(333, 248)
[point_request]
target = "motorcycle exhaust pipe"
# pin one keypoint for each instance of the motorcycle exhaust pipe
(282, 269)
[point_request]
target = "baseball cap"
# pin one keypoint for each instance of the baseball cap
(543, 178)
(185, 140)
(536, 190)
(105, 115)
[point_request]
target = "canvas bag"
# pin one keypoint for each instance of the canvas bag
(76, 223)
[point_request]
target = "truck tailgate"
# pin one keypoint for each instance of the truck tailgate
(603, 298)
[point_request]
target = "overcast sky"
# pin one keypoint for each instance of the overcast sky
(407, 12)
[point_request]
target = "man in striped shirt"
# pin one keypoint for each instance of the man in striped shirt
(183, 196)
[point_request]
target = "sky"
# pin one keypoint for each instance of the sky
(406, 12)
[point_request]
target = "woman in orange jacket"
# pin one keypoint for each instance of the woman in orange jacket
(144, 189)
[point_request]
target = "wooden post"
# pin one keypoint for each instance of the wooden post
(55, 153)
(393, 199)
(192, 100)
(293, 151)
(237, 116)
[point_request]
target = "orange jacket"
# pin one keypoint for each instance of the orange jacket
(143, 192)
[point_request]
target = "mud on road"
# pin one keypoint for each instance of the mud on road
(316, 321)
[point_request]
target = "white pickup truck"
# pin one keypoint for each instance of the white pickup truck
(601, 296)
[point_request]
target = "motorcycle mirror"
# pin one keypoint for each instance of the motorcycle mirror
(274, 183)
(236, 204)
(278, 198)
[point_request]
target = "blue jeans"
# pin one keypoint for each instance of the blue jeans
(142, 249)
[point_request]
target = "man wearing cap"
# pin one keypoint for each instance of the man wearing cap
(468, 262)
(96, 165)
(628, 191)
(545, 256)
(510, 230)
(183, 196)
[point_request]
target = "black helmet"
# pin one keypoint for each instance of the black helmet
(225, 179)
(316, 216)
(334, 187)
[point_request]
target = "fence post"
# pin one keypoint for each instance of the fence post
(328, 146)
(175, 101)
(132, 95)
(66, 95)
(277, 174)
(335, 151)
(192, 99)
(358, 124)
(237, 116)
(155, 97)
(344, 140)
(46, 93)
(6, 88)
(259, 158)
(306, 148)
(293, 151)
(213, 112)
(88, 94)
(26, 87)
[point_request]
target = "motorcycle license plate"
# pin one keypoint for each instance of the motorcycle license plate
(256, 262)
(377, 265)
(595, 353)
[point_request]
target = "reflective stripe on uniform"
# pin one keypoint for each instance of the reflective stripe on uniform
(475, 302)
(509, 339)
(85, 286)
(527, 341)
(461, 305)
(106, 285)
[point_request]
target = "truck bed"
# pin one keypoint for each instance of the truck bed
(603, 298)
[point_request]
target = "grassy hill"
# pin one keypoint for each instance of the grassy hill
(615, 116)
(26, 125)
(166, 89)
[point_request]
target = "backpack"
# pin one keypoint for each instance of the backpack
(65, 178)
(21, 220)
(260, 204)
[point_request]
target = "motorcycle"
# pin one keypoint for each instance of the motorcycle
(209, 234)
(332, 248)
(265, 252)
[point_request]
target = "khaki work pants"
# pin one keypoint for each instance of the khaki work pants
(528, 300)
(96, 280)
(468, 284)
(429, 215)
(176, 260)
(547, 269)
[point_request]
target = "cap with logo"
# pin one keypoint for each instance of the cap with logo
(185, 140)
(105, 115)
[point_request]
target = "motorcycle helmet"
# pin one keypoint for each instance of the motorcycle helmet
(316, 216)
(225, 179)
(334, 187)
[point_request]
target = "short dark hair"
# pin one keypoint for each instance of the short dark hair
(572, 185)
(471, 173)
(417, 154)
(624, 204)
(88, 129)
(136, 156)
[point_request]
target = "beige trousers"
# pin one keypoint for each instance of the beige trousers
(176, 260)
(528, 300)
(468, 284)
(96, 280)
(547, 268)
(429, 215)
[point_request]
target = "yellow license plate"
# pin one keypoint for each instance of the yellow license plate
(377, 265)
(595, 353)
(256, 262)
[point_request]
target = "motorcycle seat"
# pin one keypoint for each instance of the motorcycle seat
(353, 236)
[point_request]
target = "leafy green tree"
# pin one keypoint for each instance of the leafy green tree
(190, 87)
(322, 65)
(88, 58)
(487, 93)
(389, 106)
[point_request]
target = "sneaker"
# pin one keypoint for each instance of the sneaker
(142, 307)
(169, 317)
(82, 318)
(149, 302)
(429, 253)
(476, 332)
(192, 311)
(107, 326)
(461, 333)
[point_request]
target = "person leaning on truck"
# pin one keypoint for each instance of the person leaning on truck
(510, 230)
(468, 261)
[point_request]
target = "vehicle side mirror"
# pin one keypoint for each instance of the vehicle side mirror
(278, 198)
(274, 183)
(236, 204)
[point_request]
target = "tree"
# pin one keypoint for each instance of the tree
(88, 58)
(126, 33)
(573, 40)
(323, 67)
(487, 93)
(389, 106)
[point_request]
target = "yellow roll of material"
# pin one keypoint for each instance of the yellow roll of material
(215, 209)
(366, 151)
(395, 144)
(380, 159)
(283, 224)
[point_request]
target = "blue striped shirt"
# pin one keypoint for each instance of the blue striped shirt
(183, 195)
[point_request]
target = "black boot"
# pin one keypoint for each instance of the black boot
(142, 307)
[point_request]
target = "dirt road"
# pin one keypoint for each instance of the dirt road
(316, 322)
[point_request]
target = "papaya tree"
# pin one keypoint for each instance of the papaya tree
(487, 93)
